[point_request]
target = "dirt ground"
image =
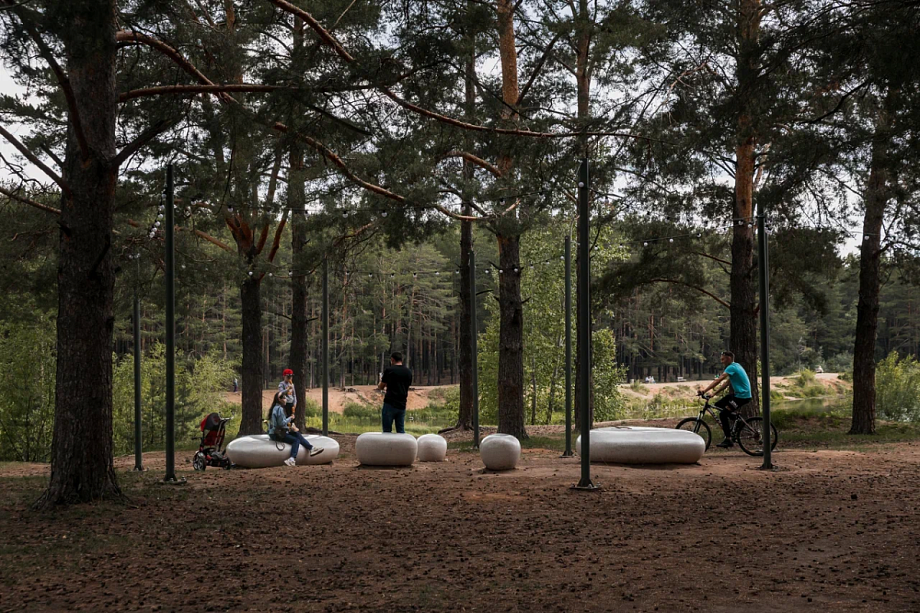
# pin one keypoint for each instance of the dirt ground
(828, 531)
(339, 398)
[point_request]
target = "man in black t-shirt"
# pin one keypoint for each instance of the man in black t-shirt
(396, 380)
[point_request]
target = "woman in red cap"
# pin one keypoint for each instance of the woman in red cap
(286, 392)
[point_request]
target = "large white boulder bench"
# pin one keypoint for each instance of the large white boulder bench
(500, 451)
(432, 448)
(386, 449)
(639, 445)
(259, 451)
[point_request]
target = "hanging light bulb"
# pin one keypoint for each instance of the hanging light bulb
(291, 273)
(456, 272)
(645, 244)
(384, 214)
(229, 209)
(370, 274)
(670, 240)
(392, 275)
(415, 275)
(515, 270)
(250, 273)
(866, 237)
(501, 271)
(699, 234)
(270, 275)
(160, 216)
(437, 273)
(581, 184)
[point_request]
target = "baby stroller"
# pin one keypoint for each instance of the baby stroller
(210, 450)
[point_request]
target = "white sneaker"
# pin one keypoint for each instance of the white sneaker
(316, 451)
(290, 462)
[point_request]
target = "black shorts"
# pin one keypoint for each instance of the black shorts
(731, 403)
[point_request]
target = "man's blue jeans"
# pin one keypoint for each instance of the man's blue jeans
(391, 414)
(295, 440)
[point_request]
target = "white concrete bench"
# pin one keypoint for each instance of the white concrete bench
(637, 445)
(259, 451)
(386, 449)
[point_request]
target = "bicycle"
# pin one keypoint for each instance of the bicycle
(747, 432)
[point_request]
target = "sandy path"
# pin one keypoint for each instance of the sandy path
(339, 398)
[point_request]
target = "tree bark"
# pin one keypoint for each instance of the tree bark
(296, 201)
(250, 296)
(743, 328)
(82, 467)
(510, 344)
(467, 299)
(877, 194)
(507, 231)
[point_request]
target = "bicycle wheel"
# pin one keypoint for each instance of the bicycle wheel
(750, 436)
(697, 426)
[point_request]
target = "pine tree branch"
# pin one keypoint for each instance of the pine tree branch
(199, 89)
(136, 38)
(142, 139)
(330, 40)
(478, 161)
(38, 205)
(214, 241)
(276, 243)
(34, 159)
(63, 80)
(711, 257)
(699, 289)
(538, 68)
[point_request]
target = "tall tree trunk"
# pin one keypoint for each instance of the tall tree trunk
(82, 468)
(877, 194)
(297, 202)
(467, 299)
(251, 421)
(511, 332)
(298, 283)
(743, 327)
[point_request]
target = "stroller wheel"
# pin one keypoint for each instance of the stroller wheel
(198, 462)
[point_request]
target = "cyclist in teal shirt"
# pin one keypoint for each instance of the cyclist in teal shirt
(740, 395)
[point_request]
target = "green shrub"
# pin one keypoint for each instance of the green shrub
(199, 384)
(897, 388)
(637, 386)
(27, 381)
(804, 377)
(355, 410)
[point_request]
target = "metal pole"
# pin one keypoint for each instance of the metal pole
(170, 330)
(568, 348)
(138, 457)
(584, 326)
(763, 263)
(474, 331)
(325, 347)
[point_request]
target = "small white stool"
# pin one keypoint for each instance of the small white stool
(500, 451)
(432, 448)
